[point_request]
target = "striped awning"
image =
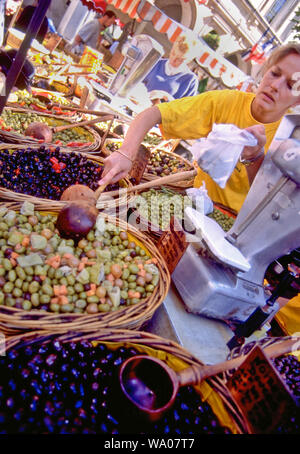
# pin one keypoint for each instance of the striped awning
(219, 67)
(143, 10)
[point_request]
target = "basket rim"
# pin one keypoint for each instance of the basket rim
(18, 319)
(110, 335)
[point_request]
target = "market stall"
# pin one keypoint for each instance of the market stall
(92, 278)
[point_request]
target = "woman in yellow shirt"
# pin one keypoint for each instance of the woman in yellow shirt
(193, 117)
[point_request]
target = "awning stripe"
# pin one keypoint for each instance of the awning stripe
(127, 5)
(175, 35)
(156, 17)
(132, 10)
(166, 26)
(146, 11)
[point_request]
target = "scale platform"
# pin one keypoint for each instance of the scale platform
(204, 338)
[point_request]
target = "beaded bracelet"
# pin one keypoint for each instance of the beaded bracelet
(248, 162)
(123, 154)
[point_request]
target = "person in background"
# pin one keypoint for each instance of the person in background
(24, 19)
(171, 78)
(90, 34)
(25, 77)
(193, 117)
(11, 7)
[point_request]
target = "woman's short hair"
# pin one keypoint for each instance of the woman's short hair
(280, 52)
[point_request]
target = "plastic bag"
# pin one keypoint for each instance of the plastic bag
(218, 153)
(200, 199)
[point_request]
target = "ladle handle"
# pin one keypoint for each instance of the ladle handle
(82, 123)
(195, 374)
(100, 190)
(78, 109)
(181, 176)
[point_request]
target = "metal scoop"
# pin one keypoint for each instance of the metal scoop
(151, 386)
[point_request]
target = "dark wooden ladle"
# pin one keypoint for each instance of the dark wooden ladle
(151, 386)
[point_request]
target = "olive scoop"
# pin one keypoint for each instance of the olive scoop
(150, 386)
(77, 218)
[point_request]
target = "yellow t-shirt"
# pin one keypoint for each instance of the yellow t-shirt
(193, 117)
(289, 316)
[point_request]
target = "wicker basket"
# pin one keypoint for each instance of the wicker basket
(14, 321)
(14, 137)
(112, 206)
(212, 391)
(182, 184)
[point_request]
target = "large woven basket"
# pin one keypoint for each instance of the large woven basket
(212, 391)
(115, 205)
(16, 138)
(14, 321)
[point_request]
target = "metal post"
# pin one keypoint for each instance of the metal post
(19, 61)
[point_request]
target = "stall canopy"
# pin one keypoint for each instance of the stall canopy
(96, 5)
(143, 10)
(214, 63)
(218, 67)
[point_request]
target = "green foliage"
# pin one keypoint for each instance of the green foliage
(212, 39)
(296, 27)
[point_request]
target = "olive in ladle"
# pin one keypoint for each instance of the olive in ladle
(150, 386)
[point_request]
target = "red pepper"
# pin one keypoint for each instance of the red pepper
(39, 109)
(58, 142)
(75, 144)
(78, 144)
(56, 168)
(57, 110)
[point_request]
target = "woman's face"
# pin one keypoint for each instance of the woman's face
(280, 88)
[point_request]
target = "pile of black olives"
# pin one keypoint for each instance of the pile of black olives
(72, 387)
(289, 368)
(46, 173)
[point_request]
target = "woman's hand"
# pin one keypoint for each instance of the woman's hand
(252, 152)
(256, 153)
(119, 163)
(116, 167)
